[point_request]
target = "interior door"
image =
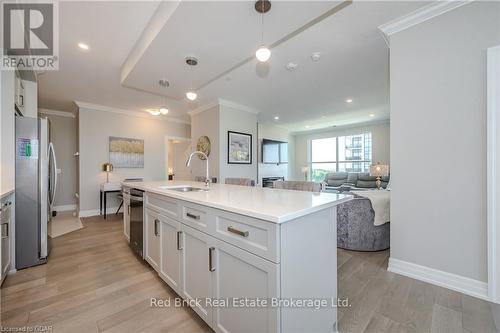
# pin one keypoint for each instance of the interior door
(171, 247)
(196, 273)
(242, 275)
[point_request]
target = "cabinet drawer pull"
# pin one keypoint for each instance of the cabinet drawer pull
(238, 232)
(210, 259)
(179, 240)
(156, 227)
(195, 217)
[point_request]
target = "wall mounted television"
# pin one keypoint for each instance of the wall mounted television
(274, 152)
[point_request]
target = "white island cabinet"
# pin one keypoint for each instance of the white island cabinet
(247, 255)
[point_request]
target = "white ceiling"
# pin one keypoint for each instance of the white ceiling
(224, 36)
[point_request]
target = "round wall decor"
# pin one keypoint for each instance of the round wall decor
(203, 145)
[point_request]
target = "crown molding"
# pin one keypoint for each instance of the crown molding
(342, 127)
(131, 113)
(420, 15)
(223, 102)
(237, 106)
(204, 108)
(57, 113)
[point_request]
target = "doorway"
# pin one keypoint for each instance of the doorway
(177, 153)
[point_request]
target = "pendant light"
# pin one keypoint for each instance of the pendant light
(263, 53)
(164, 84)
(191, 94)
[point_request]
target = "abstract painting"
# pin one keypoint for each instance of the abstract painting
(126, 152)
(239, 148)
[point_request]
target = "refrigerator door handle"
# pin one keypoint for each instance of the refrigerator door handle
(52, 154)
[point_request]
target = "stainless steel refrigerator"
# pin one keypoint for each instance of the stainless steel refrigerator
(36, 183)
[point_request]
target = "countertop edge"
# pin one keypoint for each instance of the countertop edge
(268, 218)
(7, 193)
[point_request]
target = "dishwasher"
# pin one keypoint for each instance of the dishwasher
(136, 213)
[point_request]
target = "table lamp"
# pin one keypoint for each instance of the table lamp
(305, 171)
(379, 170)
(108, 167)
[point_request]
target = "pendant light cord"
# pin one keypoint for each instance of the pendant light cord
(262, 23)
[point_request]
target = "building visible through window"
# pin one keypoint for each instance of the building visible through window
(351, 153)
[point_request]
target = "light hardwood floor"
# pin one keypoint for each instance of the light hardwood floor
(94, 283)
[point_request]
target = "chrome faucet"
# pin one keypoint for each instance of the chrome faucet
(207, 178)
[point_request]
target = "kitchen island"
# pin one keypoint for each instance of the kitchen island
(246, 259)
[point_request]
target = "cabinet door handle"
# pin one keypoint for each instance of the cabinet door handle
(179, 240)
(210, 259)
(195, 217)
(238, 232)
(156, 227)
(128, 208)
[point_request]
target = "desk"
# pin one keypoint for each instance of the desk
(106, 188)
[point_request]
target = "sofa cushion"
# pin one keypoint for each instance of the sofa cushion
(352, 178)
(336, 178)
(366, 184)
(366, 177)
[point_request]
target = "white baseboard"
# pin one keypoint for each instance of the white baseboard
(95, 212)
(65, 208)
(451, 281)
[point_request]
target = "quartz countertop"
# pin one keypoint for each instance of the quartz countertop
(273, 205)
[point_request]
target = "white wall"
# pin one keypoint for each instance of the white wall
(270, 132)
(95, 128)
(7, 131)
(380, 144)
(438, 140)
(235, 120)
(206, 123)
(63, 136)
(30, 99)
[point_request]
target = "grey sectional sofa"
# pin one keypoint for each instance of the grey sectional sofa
(346, 181)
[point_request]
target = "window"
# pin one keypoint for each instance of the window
(351, 153)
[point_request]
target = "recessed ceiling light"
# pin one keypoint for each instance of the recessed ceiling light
(154, 112)
(349, 100)
(276, 118)
(372, 115)
(316, 56)
(191, 95)
(83, 46)
(163, 110)
(307, 126)
(291, 66)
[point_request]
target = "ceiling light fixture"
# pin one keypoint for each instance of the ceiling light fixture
(83, 46)
(291, 66)
(349, 100)
(276, 118)
(316, 56)
(372, 115)
(263, 53)
(163, 110)
(307, 126)
(154, 112)
(191, 94)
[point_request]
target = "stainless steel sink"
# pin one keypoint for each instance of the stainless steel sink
(184, 189)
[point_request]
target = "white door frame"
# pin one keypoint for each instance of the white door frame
(167, 138)
(493, 172)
